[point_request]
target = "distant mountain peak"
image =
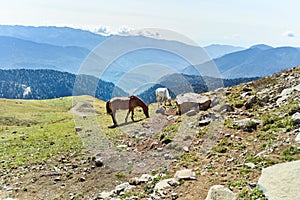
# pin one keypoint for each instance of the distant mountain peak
(219, 50)
(261, 47)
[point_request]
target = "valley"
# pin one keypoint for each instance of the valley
(62, 148)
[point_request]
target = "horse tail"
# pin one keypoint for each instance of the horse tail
(108, 109)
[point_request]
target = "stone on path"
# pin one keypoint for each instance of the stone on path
(281, 181)
(185, 174)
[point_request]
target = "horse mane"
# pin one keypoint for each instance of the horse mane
(108, 109)
(137, 98)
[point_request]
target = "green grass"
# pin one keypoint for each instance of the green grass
(33, 132)
(290, 153)
(251, 194)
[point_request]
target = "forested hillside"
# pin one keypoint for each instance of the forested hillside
(46, 84)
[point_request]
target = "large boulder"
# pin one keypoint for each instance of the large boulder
(192, 101)
(281, 181)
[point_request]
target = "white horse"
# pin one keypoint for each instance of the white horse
(162, 95)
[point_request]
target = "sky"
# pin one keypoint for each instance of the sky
(232, 22)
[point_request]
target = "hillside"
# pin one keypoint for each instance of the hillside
(63, 149)
(47, 84)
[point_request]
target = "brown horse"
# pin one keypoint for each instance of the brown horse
(124, 103)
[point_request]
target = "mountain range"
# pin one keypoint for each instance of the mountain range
(69, 50)
(258, 60)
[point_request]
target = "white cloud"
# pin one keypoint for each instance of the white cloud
(124, 30)
(289, 34)
(103, 30)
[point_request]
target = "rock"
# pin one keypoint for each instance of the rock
(226, 108)
(134, 181)
(174, 196)
(141, 134)
(251, 101)
(250, 165)
(81, 179)
(214, 101)
(161, 110)
(246, 124)
(57, 179)
(122, 146)
(105, 195)
(206, 119)
(154, 145)
(188, 101)
(286, 93)
(145, 178)
(297, 139)
(204, 122)
(246, 88)
(281, 181)
(78, 129)
(186, 174)
(99, 162)
(173, 182)
(265, 98)
(210, 115)
(186, 149)
(296, 118)
(121, 187)
(162, 185)
(219, 192)
(205, 104)
(168, 156)
(154, 196)
(245, 94)
(170, 117)
(191, 113)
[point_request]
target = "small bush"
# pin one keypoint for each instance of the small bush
(252, 194)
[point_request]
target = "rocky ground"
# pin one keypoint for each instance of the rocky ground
(248, 128)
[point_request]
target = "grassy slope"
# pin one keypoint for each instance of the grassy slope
(33, 131)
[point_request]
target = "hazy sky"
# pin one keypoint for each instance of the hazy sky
(235, 22)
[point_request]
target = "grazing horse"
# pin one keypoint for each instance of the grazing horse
(124, 103)
(162, 95)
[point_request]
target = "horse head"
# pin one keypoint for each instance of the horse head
(140, 102)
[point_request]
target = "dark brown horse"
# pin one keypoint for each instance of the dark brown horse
(124, 103)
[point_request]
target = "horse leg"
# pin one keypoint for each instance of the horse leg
(158, 101)
(113, 114)
(132, 113)
(127, 116)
